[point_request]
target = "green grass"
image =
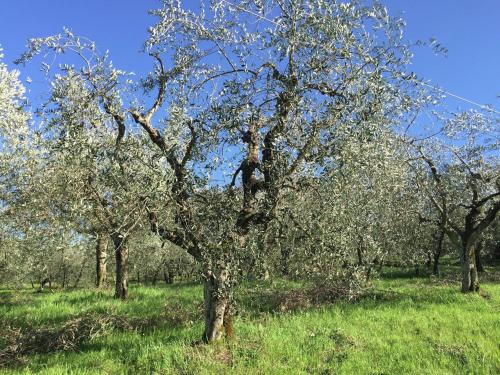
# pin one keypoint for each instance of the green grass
(406, 326)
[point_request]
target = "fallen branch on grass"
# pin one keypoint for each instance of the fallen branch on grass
(22, 342)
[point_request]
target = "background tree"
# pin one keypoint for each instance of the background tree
(14, 136)
(105, 168)
(464, 183)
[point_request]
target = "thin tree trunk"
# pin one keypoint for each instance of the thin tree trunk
(155, 276)
(368, 271)
(362, 262)
(121, 255)
(435, 266)
(101, 257)
(44, 282)
(167, 276)
(62, 269)
(80, 274)
(437, 254)
(285, 260)
(465, 263)
(64, 277)
(360, 255)
(217, 307)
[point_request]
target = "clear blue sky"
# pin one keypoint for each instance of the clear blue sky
(470, 29)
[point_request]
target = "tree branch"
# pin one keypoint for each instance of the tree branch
(161, 89)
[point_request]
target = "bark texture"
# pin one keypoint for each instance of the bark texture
(217, 308)
(470, 279)
(101, 259)
(121, 256)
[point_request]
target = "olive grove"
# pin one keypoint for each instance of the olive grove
(267, 140)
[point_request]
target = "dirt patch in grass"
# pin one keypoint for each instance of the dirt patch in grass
(283, 301)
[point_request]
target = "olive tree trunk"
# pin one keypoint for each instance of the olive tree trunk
(470, 279)
(437, 254)
(121, 256)
(101, 258)
(479, 261)
(217, 307)
(168, 276)
(44, 282)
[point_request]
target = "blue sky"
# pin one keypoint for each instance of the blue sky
(470, 30)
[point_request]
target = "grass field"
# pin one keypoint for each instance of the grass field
(405, 326)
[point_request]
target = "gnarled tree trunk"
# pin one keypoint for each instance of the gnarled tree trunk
(121, 255)
(101, 257)
(470, 279)
(218, 305)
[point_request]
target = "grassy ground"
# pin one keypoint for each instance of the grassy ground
(407, 326)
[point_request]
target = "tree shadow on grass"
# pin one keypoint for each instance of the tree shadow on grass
(274, 300)
(178, 311)
(13, 298)
(390, 273)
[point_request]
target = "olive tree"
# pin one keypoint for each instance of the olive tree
(13, 127)
(363, 213)
(253, 93)
(105, 169)
(14, 139)
(463, 183)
